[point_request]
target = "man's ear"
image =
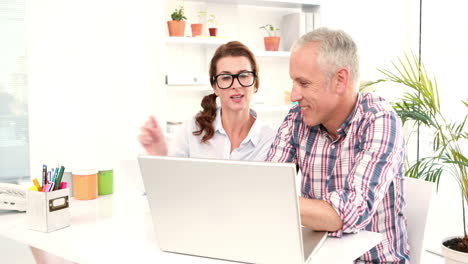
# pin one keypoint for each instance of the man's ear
(341, 80)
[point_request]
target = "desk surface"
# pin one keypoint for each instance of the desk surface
(119, 228)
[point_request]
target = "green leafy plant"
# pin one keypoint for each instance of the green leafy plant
(422, 106)
(270, 30)
(178, 14)
(212, 20)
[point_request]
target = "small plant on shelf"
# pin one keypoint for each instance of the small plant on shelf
(197, 28)
(270, 30)
(272, 41)
(176, 26)
(213, 22)
(178, 14)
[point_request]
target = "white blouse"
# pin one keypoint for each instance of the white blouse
(254, 147)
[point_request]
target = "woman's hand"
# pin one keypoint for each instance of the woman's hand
(152, 138)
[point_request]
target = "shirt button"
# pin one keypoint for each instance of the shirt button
(333, 146)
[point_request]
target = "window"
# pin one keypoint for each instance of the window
(14, 132)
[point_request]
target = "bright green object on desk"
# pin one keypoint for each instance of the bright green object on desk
(105, 182)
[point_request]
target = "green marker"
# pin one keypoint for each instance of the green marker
(58, 180)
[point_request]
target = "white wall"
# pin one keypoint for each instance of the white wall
(383, 30)
(94, 78)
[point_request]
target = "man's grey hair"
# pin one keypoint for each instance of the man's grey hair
(336, 50)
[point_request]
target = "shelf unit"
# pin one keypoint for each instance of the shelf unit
(239, 20)
(216, 41)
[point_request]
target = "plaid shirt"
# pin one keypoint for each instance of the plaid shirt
(360, 174)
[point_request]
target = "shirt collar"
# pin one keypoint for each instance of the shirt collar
(347, 123)
(218, 125)
(254, 133)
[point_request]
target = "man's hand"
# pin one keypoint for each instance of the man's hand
(152, 138)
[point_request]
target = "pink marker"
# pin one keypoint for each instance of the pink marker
(46, 187)
(63, 185)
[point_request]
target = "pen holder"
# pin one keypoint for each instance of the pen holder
(48, 211)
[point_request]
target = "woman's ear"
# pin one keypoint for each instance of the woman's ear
(215, 89)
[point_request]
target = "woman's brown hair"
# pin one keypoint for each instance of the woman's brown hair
(205, 118)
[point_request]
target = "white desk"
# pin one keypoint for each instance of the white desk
(118, 228)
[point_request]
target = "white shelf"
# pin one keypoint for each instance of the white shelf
(267, 3)
(220, 41)
(189, 88)
(197, 40)
(284, 54)
(271, 108)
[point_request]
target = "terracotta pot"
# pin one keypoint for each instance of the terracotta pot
(196, 29)
(452, 256)
(213, 31)
(271, 43)
(176, 28)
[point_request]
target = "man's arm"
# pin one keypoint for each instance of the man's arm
(319, 215)
(315, 214)
(283, 148)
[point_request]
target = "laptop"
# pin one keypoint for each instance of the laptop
(241, 211)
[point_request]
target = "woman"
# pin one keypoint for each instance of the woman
(231, 131)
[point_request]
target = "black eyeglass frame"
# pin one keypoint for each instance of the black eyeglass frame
(235, 76)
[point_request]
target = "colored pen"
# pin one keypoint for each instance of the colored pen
(55, 173)
(44, 174)
(58, 180)
(46, 187)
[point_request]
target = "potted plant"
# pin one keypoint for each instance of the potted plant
(213, 23)
(176, 26)
(197, 28)
(272, 41)
(421, 105)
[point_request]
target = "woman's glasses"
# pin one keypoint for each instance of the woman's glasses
(225, 81)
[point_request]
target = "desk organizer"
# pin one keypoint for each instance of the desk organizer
(48, 211)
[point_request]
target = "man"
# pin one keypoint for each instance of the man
(348, 146)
